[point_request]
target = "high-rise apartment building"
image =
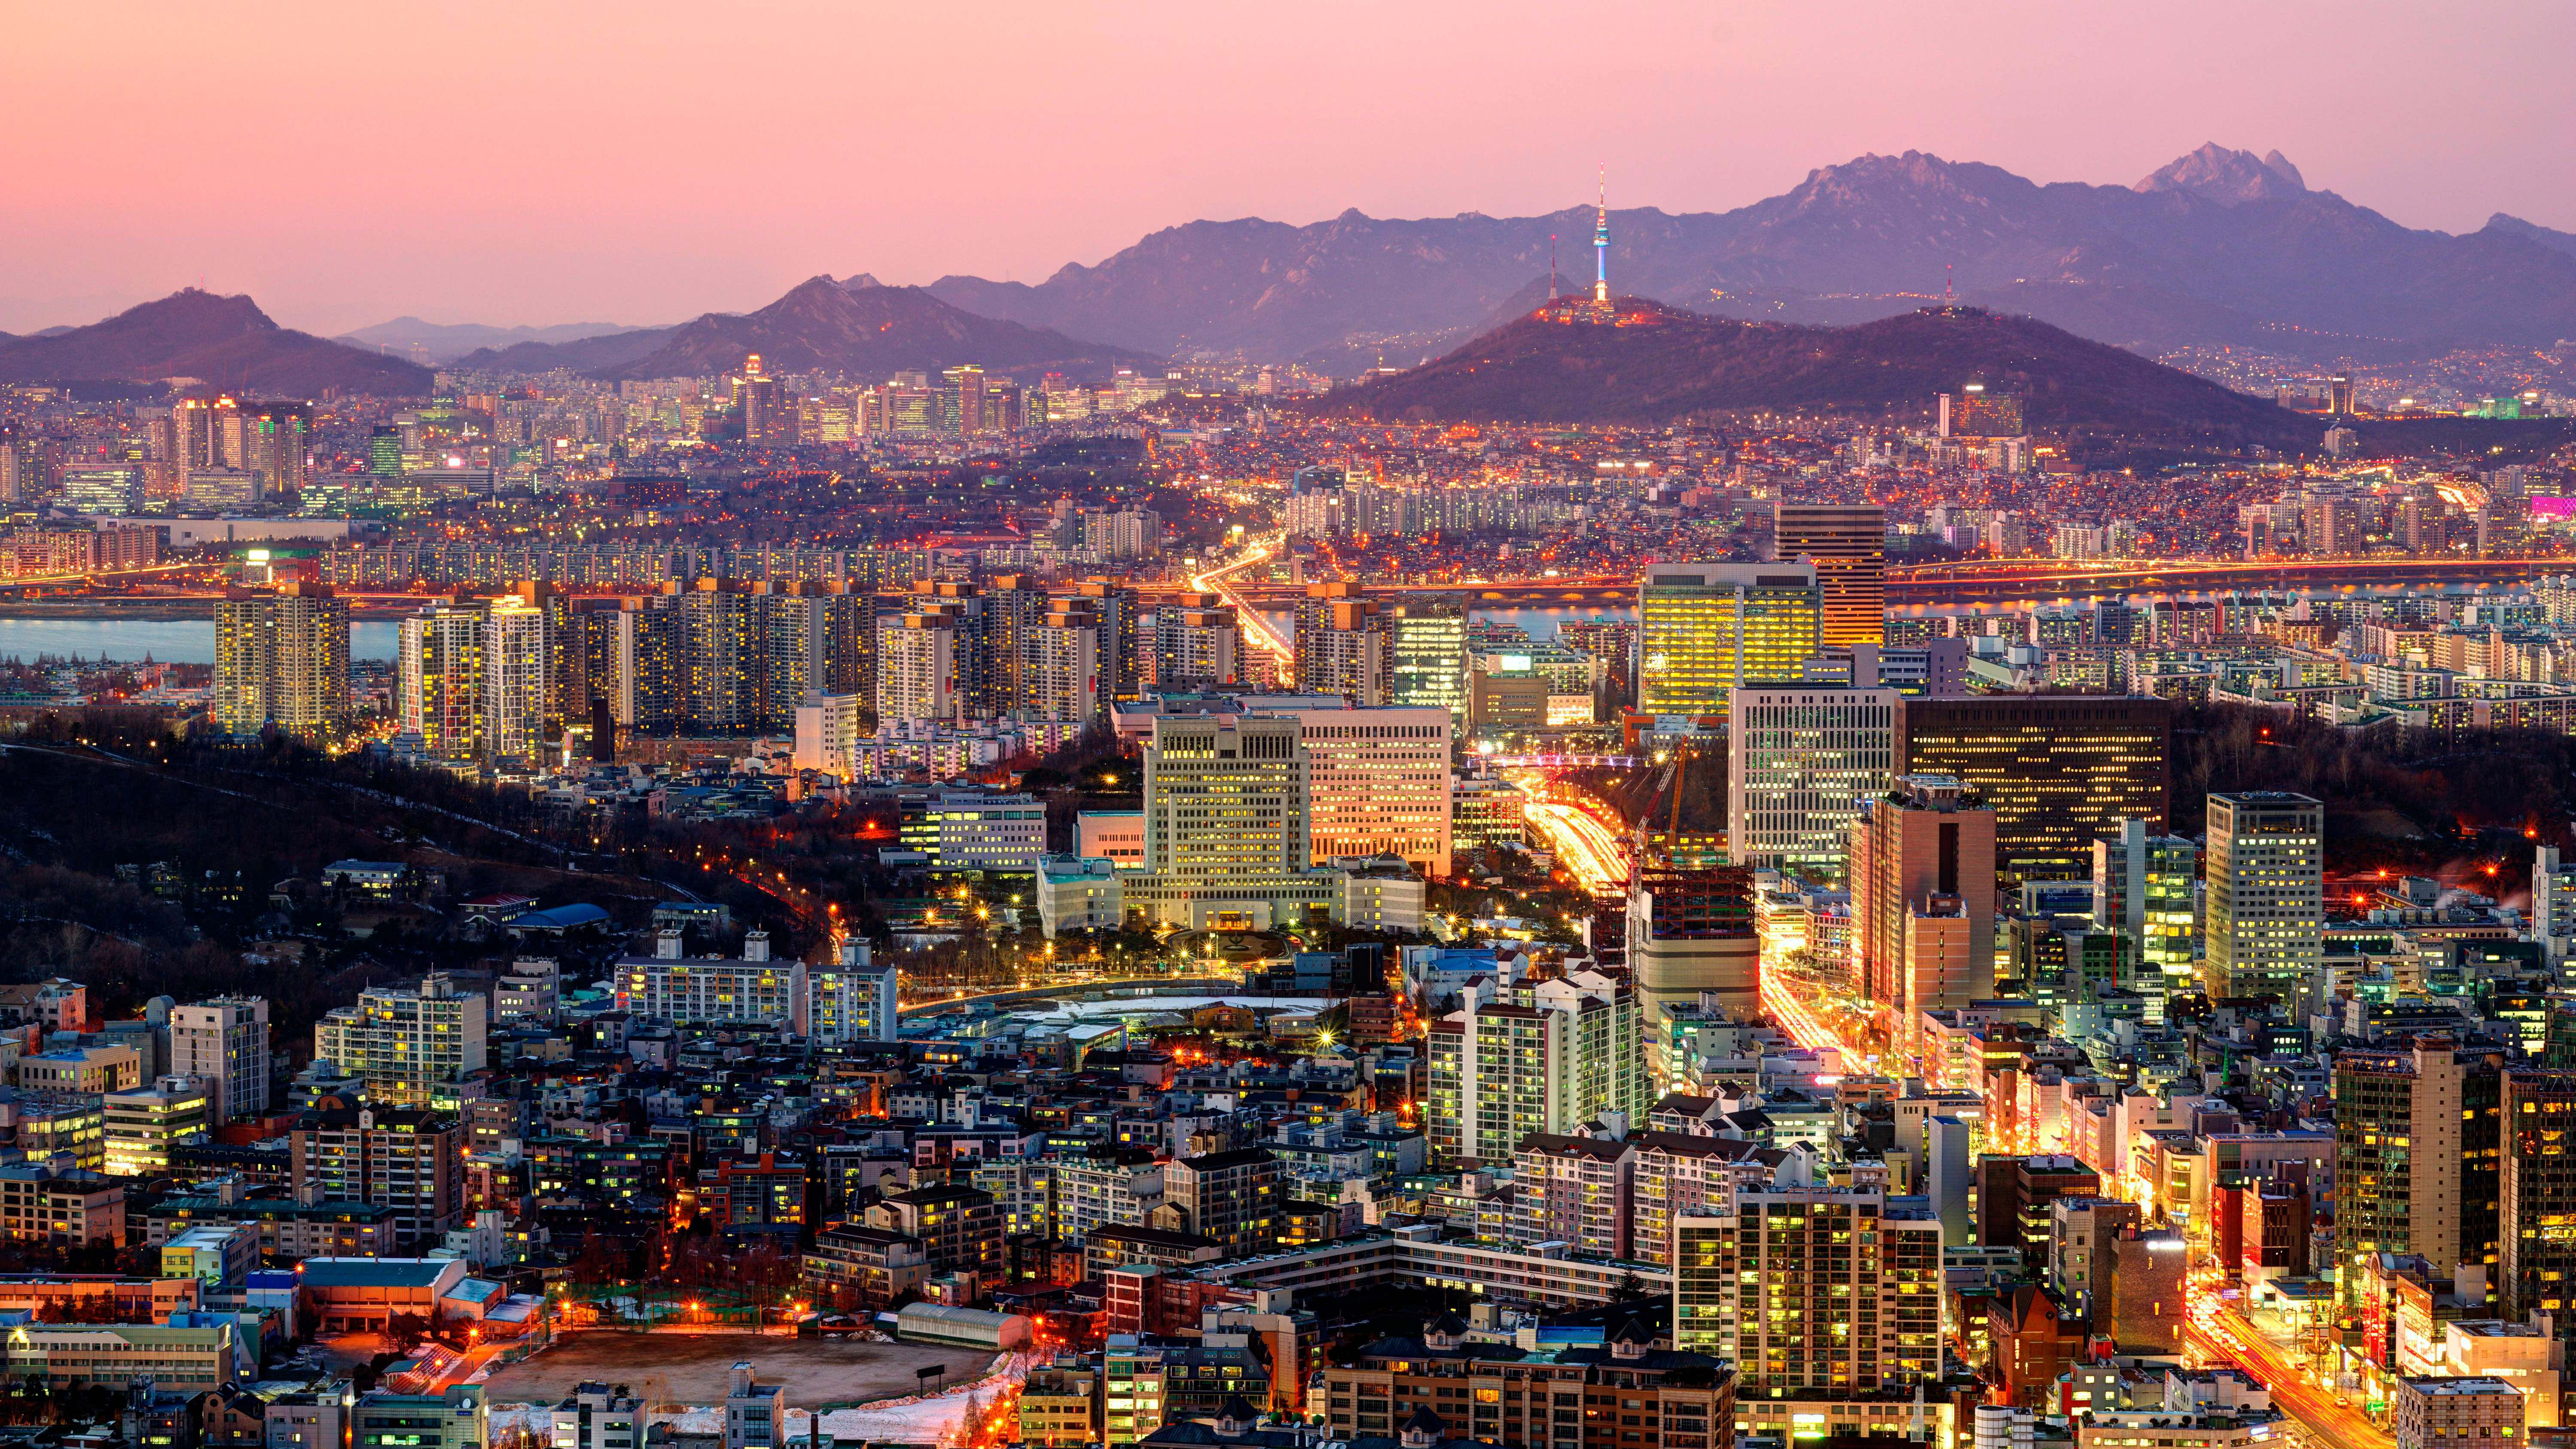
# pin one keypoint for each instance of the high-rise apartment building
(411, 1045)
(1800, 760)
(1233, 1197)
(828, 730)
(2535, 1195)
(1225, 799)
(281, 657)
(1847, 542)
(720, 652)
(1503, 1070)
(1704, 630)
(223, 1041)
(1125, 644)
(2266, 896)
(1811, 1288)
(2059, 771)
(515, 686)
(410, 1160)
(2419, 1135)
(814, 638)
(629, 653)
(1345, 645)
(1198, 645)
(2144, 888)
(1430, 657)
(1928, 844)
(852, 998)
(1059, 664)
(918, 665)
(438, 678)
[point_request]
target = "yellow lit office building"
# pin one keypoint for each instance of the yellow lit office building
(1705, 629)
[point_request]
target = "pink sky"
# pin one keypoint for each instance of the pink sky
(558, 162)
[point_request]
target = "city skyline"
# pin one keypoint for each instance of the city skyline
(349, 237)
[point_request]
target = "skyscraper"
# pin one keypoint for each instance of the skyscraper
(1706, 629)
(2418, 1142)
(514, 691)
(438, 678)
(2143, 888)
(385, 453)
(1800, 759)
(282, 656)
(2059, 771)
(1848, 545)
(2535, 1195)
(1430, 656)
(814, 638)
(1928, 844)
(2266, 896)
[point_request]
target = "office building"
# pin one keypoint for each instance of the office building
(2553, 901)
(1198, 645)
(223, 1042)
(282, 658)
(1704, 630)
(1377, 780)
(1226, 799)
(1922, 858)
(1847, 542)
(2080, 1234)
(2418, 1156)
(2266, 896)
(2015, 1198)
(829, 728)
(973, 829)
(2144, 888)
(1503, 1070)
(2059, 771)
(1811, 1288)
(1800, 760)
(1430, 657)
(1345, 645)
(668, 986)
(2536, 1195)
(438, 681)
(1690, 933)
(143, 1123)
(411, 1045)
(2438, 1411)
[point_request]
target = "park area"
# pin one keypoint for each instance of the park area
(690, 1368)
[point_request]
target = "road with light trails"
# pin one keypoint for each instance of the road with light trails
(2222, 1333)
(1585, 845)
(1256, 629)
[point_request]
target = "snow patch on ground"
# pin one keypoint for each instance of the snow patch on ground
(920, 1419)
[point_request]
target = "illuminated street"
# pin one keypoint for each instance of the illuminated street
(1587, 847)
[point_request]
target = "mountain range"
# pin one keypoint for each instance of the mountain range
(2221, 246)
(859, 327)
(227, 342)
(1659, 364)
(447, 341)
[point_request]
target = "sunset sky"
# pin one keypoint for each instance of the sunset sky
(640, 163)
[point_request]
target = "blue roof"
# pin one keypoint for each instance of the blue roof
(558, 918)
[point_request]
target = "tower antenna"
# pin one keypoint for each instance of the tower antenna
(1947, 269)
(1601, 242)
(1551, 266)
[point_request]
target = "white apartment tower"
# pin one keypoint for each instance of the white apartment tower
(224, 1041)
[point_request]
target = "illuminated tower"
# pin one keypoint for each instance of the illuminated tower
(1601, 243)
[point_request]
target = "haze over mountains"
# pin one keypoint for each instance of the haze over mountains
(2222, 246)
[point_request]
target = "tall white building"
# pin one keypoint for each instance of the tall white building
(223, 1041)
(917, 658)
(852, 999)
(1503, 1070)
(1800, 759)
(514, 679)
(668, 986)
(2553, 901)
(2266, 880)
(828, 731)
(412, 1045)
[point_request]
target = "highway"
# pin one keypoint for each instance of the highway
(1585, 845)
(1257, 633)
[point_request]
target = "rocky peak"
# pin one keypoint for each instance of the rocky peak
(2228, 177)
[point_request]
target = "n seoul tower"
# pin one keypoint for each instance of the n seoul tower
(1601, 244)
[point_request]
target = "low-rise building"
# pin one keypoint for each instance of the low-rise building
(54, 1202)
(853, 1268)
(2455, 1413)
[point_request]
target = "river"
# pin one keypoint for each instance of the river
(171, 641)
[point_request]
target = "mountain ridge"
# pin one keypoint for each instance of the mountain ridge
(227, 342)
